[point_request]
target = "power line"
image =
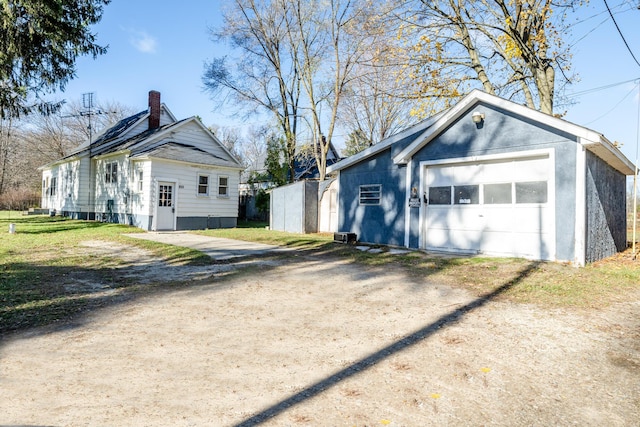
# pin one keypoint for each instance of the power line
(620, 32)
(596, 89)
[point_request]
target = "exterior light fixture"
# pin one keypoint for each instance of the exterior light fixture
(477, 117)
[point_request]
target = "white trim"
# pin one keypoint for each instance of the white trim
(580, 252)
(228, 187)
(407, 211)
(551, 201)
(198, 193)
(544, 152)
(369, 204)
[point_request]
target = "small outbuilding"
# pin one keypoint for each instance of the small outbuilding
(149, 170)
(489, 176)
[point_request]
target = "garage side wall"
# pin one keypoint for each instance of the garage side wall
(606, 230)
(382, 222)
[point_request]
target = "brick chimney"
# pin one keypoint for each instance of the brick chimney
(154, 109)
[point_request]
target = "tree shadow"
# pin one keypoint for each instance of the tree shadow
(382, 354)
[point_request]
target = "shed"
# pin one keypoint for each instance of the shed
(489, 176)
(294, 207)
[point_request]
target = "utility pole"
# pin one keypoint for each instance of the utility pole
(89, 111)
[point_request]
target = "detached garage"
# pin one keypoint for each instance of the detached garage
(489, 176)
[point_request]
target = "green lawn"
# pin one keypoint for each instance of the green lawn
(44, 250)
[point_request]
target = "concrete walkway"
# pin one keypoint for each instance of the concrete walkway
(216, 247)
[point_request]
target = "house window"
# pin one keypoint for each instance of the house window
(111, 173)
(466, 195)
(531, 192)
(54, 186)
(370, 194)
(203, 185)
(223, 186)
(140, 179)
(497, 194)
(440, 195)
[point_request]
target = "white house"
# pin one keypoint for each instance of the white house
(148, 170)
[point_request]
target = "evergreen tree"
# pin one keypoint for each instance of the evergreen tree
(39, 44)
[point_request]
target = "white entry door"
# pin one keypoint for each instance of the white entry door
(166, 206)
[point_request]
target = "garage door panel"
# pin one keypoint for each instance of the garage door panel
(500, 226)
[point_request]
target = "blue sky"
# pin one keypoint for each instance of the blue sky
(163, 46)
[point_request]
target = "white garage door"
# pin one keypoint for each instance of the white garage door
(498, 208)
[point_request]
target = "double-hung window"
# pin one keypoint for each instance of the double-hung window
(223, 186)
(54, 186)
(111, 173)
(203, 185)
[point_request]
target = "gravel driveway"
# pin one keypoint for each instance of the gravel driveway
(308, 341)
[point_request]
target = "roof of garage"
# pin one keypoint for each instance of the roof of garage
(426, 131)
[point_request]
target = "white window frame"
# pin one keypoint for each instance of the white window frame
(140, 178)
(111, 172)
(370, 195)
(208, 185)
(220, 186)
(53, 190)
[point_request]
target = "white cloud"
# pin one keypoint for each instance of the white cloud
(143, 42)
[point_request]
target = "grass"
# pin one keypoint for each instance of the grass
(35, 261)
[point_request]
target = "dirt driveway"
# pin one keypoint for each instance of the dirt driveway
(309, 341)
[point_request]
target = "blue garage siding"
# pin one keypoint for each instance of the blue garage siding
(382, 223)
(606, 210)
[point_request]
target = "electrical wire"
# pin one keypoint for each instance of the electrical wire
(620, 32)
(633, 89)
(597, 89)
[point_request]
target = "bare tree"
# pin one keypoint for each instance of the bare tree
(262, 76)
(512, 48)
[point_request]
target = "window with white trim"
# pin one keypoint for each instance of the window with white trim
(111, 172)
(140, 179)
(54, 185)
(370, 194)
(203, 185)
(223, 186)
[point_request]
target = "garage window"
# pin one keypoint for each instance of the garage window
(497, 194)
(440, 195)
(370, 194)
(466, 195)
(531, 192)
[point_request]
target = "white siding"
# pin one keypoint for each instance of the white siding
(117, 191)
(140, 198)
(189, 203)
(67, 177)
(191, 133)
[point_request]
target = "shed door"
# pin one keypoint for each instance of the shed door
(166, 206)
(497, 208)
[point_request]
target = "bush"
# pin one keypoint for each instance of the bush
(19, 199)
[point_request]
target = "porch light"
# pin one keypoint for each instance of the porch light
(477, 117)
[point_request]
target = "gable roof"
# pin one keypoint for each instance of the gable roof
(434, 126)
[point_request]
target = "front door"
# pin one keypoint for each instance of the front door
(166, 206)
